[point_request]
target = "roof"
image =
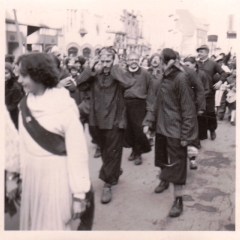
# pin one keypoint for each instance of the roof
(38, 19)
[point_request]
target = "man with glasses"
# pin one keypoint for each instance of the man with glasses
(138, 100)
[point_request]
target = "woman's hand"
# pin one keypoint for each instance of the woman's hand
(79, 207)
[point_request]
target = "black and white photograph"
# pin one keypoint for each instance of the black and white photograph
(120, 116)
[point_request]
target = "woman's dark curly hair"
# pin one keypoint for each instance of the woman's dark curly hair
(40, 67)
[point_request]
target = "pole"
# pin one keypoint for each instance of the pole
(18, 32)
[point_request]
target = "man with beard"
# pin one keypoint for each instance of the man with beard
(138, 100)
(211, 68)
(107, 113)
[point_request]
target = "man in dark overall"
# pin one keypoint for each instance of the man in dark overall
(107, 113)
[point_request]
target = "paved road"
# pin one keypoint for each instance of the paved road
(209, 196)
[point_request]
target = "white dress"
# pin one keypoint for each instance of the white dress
(48, 181)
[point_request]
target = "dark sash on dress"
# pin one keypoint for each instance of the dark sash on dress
(49, 141)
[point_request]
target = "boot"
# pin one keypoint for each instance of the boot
(97, 153)
(106, 194)
(161, 187)
(213, 135)
(138, 160)
(177, 207)
(132, 157)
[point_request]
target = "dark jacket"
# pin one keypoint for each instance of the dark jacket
(173, 113)
(107, 105)
(197, 88)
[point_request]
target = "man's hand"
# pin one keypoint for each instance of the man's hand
(200, 113)
(145, 129)
(217, 85)
(66, 82)
(11, 188)
(184, 143)
(93, 63)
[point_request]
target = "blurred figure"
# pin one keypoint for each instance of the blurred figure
(156, 74)
(54, 169)
(202, 119)
(211, 68)
(12, 167)
(13, 93)
(145, 63)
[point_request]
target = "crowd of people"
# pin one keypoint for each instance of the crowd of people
(162, 102)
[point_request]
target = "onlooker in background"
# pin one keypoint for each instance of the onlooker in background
(13, 93)
(145, 63)
(202, 119)
(156, 74)
(211, 68)
(231, 97)
(221, 94)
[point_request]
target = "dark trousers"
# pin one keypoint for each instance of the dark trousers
(93, 130)
(202, 127)
(212, 121)
(88, 216)
(134, 137)
(223, 105)
(111, 145)
(174, 171)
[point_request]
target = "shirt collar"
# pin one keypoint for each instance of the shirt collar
(203, 61)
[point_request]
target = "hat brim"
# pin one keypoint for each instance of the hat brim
(202, 48)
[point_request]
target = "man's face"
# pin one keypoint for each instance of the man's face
(133, 61)
(155, 61)
(74, 72)
(190, 65)
(7, 74)
(106, 62)
(202, 54)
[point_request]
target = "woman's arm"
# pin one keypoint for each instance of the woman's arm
(77, 155)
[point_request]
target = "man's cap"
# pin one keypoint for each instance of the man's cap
(220, 57)
(204, 46)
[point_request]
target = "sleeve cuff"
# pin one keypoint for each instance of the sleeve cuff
(79, 195)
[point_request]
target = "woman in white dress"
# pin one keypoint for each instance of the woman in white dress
(53, 151)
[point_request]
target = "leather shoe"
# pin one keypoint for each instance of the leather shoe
(106, 194)
(97, 153)
(177, 207)
(161, 187)
(132, 157)
(213, 135)
(138, 160)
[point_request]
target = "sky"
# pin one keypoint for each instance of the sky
(155, 12)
